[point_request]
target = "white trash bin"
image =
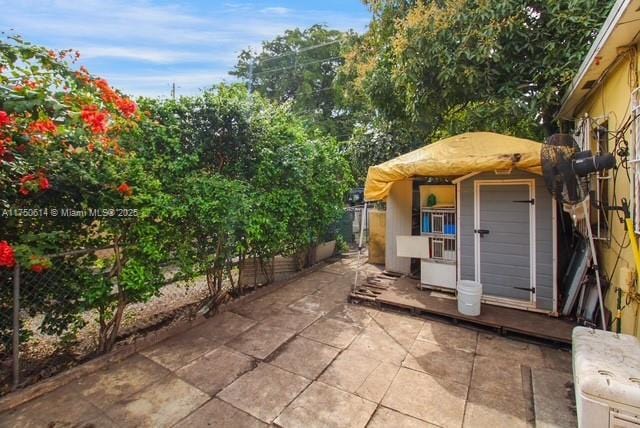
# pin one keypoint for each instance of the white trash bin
(469, 294)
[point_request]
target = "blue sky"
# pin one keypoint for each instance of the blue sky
(141, 46)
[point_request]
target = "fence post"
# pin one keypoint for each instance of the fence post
(16, 326)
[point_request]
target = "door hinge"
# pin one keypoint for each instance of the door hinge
(525, 201)
(531, 289)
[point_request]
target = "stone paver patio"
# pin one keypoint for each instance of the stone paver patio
(301, 356)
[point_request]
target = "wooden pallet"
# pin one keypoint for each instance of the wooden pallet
(373, 286)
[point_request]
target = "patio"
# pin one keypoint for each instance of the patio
(302, 356)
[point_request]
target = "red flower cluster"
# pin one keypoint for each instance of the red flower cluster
(108, 94)
(4, 142)
(34, 183)
(43, 126)
(125, 189)
(5, 119)
(29, 84)
(7, 257)
(37, 268)
(127, 107)
(95, 119)
(39, 264)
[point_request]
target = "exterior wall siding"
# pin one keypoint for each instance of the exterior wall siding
(610, 101)
(399, 205)
(544, 234)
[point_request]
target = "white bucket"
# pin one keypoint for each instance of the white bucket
(469, 294)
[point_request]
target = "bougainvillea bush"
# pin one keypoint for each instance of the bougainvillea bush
(67, 183)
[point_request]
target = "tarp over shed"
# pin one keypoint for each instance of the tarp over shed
(455, 156)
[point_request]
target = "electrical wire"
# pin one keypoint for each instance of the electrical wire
(308, 48)
(272, 70)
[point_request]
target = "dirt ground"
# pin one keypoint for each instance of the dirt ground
(45, 355)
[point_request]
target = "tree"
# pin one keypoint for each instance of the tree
(62, 147)
(458, 65)
(299, 67)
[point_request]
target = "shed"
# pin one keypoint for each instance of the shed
(484, 214)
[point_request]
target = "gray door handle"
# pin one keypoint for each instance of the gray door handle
(481, 232)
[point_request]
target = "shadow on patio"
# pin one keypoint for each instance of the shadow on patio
(301, 356)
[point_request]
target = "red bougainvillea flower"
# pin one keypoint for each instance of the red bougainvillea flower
(37, 268)
(5, 119)
(108, 94)
(28, 184)
(7, 256)
(43, 126)
(33, 183)
(44, 183)
(127, 107)
(125, 189)
(39, 264)
(95, 119)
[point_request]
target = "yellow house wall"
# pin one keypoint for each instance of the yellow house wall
(377, 236)
(613, 99)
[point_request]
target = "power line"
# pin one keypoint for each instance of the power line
(271, 70)
(308, 48)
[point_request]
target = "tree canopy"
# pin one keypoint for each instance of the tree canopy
(299, 67)
(436, 68)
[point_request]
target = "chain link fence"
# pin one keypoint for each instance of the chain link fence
(55, 331)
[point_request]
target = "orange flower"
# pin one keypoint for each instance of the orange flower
(127, 107)
(43, 126)
(125, 189)
(95, 119)
(108, 94)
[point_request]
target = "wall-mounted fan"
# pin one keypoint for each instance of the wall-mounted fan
(566, 172)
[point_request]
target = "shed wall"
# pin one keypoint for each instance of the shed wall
(544, 234)
(398, 220)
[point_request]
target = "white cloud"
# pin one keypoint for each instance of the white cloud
(276, 11)
(157, 56)
(144, 37)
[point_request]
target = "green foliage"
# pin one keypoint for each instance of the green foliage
(255, 183)
(62, 148)
(300, 67)
(201, 181)
(439, 68)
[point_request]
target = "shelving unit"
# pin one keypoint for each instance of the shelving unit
(438, 224)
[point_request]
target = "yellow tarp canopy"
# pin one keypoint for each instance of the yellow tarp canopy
(454, 156)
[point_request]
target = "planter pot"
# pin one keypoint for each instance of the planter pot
(324, 251)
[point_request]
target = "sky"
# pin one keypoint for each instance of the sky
(142, 46)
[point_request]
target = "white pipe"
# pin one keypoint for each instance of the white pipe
(594, 257)
(363, 218)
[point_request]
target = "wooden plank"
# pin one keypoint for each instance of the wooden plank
(404, 294)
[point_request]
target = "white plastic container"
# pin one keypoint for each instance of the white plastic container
(469, 294)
